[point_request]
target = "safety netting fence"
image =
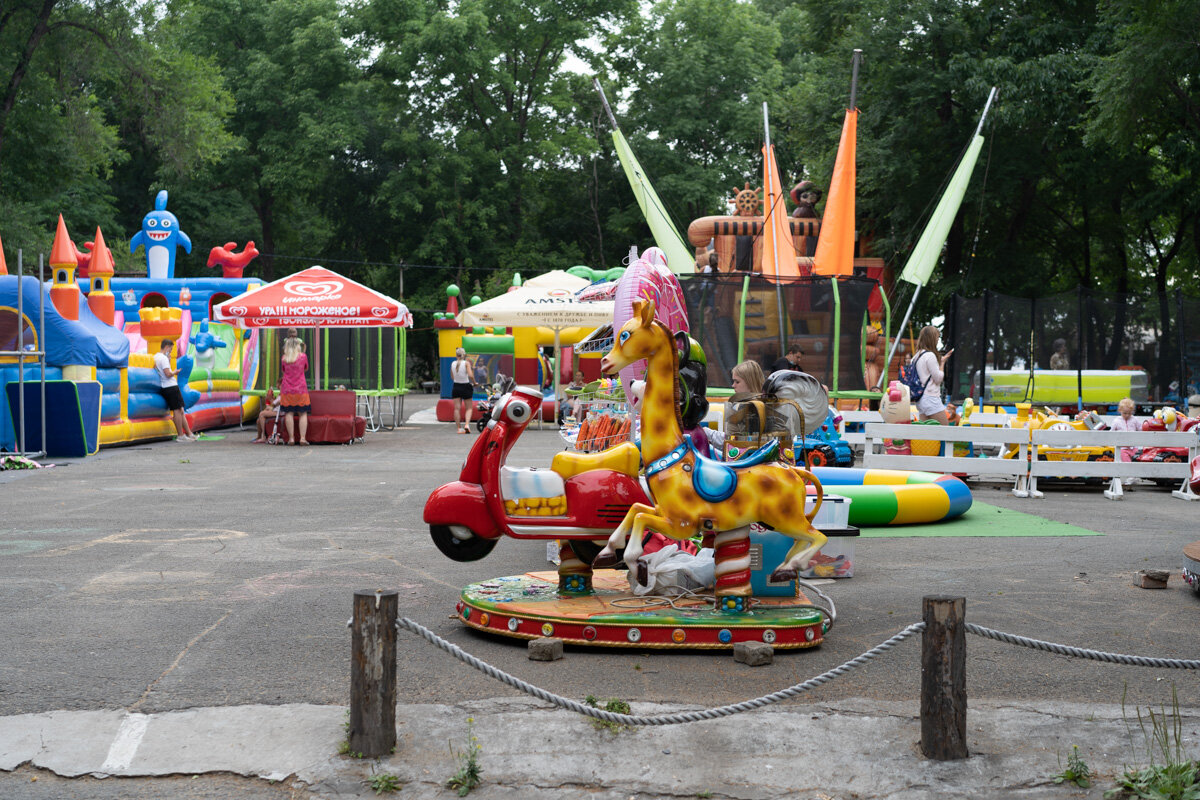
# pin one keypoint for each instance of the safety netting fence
(1074, 346)
(741, 316)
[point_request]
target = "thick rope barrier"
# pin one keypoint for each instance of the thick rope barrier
(784, 694)
(1079, 652)
(667, 719)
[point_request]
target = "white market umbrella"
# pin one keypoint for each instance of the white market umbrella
(540, 306)
(557, 279)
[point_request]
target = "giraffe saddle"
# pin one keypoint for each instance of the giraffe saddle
(713, 480)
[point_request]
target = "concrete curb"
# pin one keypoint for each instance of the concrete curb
(854, 748)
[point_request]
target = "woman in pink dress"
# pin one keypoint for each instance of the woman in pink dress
(293, 389)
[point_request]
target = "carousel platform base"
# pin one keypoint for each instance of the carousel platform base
(1191, 565)
(529, 606)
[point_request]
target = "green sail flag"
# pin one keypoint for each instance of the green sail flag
(679, 256)
(925, 255)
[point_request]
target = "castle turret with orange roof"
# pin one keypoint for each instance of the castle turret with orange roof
(158, 323)
(3, 266)
(64, 291)
(100, 272)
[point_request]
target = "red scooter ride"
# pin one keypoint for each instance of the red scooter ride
(581, 498)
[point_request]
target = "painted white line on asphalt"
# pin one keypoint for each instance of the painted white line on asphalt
(125, 745)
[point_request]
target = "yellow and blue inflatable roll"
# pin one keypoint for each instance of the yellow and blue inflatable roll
(896, 497)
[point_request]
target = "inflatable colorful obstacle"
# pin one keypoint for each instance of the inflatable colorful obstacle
(896, 497)
(514, 350)
(108, 337)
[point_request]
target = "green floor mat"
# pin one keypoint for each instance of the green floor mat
(208, 437)
(982, 520)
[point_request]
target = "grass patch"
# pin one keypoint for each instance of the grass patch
(1169, 776)
(614, 706)
(344, 749)
(469, 772)
(1077, 771)
(384, 783)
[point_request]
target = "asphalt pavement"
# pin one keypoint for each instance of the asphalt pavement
(174, 615)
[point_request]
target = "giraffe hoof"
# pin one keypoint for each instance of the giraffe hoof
(782, 575)
(604, 560)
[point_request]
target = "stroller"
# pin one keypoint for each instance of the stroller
(501, 387)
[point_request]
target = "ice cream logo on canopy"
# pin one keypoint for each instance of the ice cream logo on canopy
(315, 296)
(326, 290)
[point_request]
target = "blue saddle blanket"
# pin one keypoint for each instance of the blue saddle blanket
(715, 481)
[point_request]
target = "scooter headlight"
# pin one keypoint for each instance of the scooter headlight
(517, 411)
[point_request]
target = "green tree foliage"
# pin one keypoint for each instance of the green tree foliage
(294, 113)
(80, 79)
(1071, 197)
(688, 82)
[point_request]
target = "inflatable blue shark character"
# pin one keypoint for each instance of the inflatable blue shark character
(206, 344)
(160, 235)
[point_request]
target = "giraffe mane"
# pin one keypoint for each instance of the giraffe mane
(675, 390)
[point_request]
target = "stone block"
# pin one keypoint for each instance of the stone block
(755, 654)
(545, 649)
(1151, 578)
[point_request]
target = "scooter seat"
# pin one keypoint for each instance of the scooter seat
(625, 458)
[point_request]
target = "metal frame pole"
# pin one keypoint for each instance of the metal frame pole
(20, 352)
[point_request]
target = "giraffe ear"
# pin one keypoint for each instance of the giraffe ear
(645, 311)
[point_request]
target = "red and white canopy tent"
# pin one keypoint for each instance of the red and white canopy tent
(313, 298)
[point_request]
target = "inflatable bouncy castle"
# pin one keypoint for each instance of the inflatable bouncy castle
(99, 334)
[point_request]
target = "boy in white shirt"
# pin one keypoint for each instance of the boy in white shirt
(170, 391)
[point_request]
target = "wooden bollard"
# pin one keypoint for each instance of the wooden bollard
(944, 678)
(373, 673)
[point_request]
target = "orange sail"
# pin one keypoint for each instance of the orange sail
(778, 249)
(835, 243)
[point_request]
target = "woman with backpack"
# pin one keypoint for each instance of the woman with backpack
(930, 375)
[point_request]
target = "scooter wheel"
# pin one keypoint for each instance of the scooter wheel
(458, 547)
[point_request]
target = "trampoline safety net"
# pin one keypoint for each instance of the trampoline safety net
(1074, 346)
(810, 308)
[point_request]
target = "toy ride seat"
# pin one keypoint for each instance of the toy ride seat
(533, 492)
(624, 458)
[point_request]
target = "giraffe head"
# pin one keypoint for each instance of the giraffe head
(636, 340)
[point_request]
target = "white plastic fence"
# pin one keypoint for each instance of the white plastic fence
(979, 437)
(1116, 469)
(856, 438)
(1026, 467)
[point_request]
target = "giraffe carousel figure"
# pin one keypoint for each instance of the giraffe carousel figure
(582, 496)
(693, 494)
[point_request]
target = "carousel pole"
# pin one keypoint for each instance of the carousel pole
(769, 211)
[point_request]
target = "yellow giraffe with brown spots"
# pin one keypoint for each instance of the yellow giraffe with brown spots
(693, 494)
